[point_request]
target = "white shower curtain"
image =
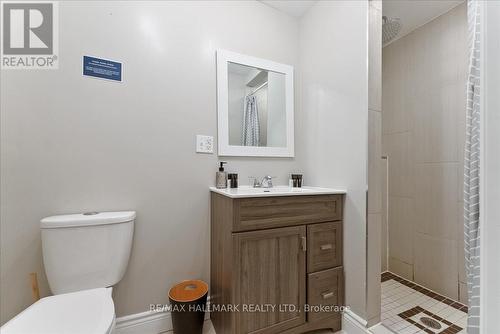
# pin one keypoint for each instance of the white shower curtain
(471, 170)
(251, 127)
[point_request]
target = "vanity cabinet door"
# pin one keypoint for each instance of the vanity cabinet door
(270, 272)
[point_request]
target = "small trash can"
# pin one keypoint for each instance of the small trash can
(188, 300)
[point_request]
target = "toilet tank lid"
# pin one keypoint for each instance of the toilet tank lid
(87, 219)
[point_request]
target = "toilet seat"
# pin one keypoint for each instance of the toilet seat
(83, 312)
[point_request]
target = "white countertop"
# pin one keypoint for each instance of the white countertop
(246, 191)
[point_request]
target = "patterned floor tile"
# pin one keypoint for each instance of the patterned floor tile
(408, 308)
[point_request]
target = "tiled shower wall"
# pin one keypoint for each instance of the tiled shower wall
(423, 134)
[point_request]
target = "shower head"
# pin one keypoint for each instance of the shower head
(390, 29)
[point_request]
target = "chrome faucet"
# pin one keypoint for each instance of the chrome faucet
(267, 182)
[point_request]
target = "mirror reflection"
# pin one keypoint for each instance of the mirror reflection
(257, 107)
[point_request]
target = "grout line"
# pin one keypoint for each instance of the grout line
(424, 163)
(441, 297)
(396, 132)
(402, 301)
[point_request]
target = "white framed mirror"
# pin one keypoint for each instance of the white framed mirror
(254, 106)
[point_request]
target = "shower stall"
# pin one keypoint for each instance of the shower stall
(424, 76)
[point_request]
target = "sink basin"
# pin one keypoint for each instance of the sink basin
(242, 192)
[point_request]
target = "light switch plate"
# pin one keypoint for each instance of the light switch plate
(204, 144)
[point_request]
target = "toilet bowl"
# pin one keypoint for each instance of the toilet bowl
(84, 312)
(84, 255)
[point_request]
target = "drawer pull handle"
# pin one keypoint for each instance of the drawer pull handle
(327, 295)
(326, 246)
(304, 243)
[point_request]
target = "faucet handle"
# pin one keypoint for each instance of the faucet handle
(267, 181)
(256, 182)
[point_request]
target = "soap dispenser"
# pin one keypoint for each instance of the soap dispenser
(221, 177)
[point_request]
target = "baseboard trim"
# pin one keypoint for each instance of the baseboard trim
(148, 322)
(145, 322)
(353, 323)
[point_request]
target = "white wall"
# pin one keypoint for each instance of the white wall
(374, 245)
(262, 108)
(73, 144)
(236, 105)
(334, 121)
(276, 116)
(490, 274)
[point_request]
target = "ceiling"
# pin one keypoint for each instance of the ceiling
(295, 8)
(415, 13)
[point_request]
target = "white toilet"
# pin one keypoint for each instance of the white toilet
(84, 256)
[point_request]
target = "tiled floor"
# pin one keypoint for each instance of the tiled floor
(405, 303)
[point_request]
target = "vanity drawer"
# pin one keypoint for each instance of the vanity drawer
(324, 246)
(324, 288)
(267, 212)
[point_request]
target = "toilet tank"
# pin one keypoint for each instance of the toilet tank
(86, 251)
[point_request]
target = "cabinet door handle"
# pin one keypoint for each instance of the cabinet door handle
(326, 246)
(327, 295)
(304, 243)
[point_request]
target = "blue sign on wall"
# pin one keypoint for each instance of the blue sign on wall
(102, 68)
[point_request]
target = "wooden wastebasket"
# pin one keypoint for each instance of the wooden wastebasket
(188, 300)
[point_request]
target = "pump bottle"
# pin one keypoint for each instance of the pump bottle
(221, 177)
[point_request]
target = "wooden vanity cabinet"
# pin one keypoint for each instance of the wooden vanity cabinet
(272, 256)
